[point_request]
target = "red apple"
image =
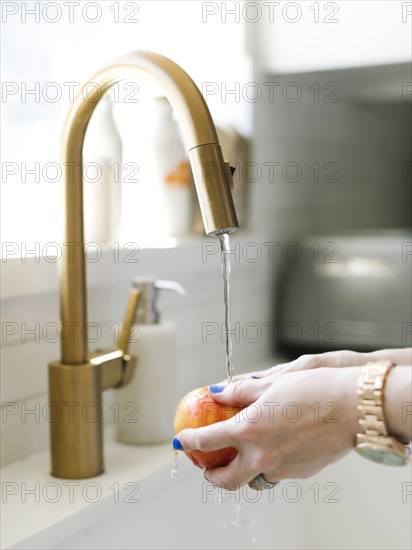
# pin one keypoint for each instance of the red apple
(198, 409)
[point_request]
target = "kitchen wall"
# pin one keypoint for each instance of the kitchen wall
(344, 156)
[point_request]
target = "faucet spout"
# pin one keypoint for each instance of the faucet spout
(77, 442)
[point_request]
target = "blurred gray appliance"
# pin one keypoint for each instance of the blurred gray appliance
(346, 291)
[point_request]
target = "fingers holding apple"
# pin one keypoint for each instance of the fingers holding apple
(197, 409)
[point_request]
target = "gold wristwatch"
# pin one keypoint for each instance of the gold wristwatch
(374, 442)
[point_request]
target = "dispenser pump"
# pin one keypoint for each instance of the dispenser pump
(148, 289)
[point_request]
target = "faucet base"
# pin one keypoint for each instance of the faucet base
(76, 420)
(76, 414)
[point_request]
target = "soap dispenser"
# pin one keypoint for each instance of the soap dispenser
(146, 405)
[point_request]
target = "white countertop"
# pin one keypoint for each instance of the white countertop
(33, 500)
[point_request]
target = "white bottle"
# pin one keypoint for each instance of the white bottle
(102, 180)
(173, 171)
(147, 404)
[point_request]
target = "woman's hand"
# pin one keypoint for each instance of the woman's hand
(294, 423)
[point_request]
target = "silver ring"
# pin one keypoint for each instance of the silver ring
(259, 483)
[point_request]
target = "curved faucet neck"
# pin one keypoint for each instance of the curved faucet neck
(211, 175)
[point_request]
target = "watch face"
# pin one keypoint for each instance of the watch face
(381, 455)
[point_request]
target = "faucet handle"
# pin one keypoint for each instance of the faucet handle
(129, 318)
(229, 171)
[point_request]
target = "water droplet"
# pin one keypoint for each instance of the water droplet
(243, 518)
(174, 472)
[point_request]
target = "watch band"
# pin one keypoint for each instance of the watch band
(370, 397)
(374, 443)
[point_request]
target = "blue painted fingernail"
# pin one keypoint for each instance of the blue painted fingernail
(177, 445)
(216, 388)
(255, 377)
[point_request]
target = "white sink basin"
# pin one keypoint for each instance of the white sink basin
(336, 509)
(183, 512)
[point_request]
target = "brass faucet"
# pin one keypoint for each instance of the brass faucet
(77, 381)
